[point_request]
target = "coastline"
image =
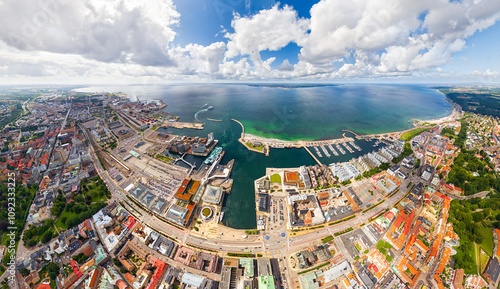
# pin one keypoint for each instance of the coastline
(454, 115)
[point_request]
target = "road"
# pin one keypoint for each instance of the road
(276, 246)
(21, 251)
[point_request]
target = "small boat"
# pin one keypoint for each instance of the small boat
(221, 216)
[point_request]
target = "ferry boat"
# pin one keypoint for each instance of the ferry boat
(213, 156)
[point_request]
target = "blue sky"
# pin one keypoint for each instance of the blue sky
(481, 53)
(157, 41)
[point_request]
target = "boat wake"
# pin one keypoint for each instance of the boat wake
(196, 114)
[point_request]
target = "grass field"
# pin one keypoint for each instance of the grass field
(487, 244)
(483, 258)
(413, 133)
(472, 253)
(276, 178)
(259, 148)
(59, 224)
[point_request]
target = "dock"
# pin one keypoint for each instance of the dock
(181, 125)
(348, 147)
(318, 152)
(354, 145)
(325, 151)
(341, 150)
(314, 157)
(333, 150)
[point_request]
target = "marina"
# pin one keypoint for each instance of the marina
(341, 150)
(325, 151)
(318, 152)
(354, 145)
(348, 147)
(333, 150)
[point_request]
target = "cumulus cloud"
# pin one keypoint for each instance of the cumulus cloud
(136, 39)
(103, 30)
(381, 37)
(200, 59)
(393, 37)
(285, 66)
(270, 29)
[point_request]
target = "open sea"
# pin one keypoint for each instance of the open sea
(287, 112)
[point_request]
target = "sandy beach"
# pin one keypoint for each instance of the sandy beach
(455, 114)
(278, 143)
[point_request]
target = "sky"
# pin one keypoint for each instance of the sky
(165, 41)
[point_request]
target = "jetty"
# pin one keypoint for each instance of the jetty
(318, 152)
(333, 150)
(325, 151)
(313, 156)
(341, 150)
(354, 145)
(355, 134)
(348, 147)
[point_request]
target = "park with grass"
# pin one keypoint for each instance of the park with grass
(408, 135)
(69, 212)
(276, 178)
(80, 206)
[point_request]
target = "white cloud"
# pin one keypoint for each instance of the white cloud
(270, 29)
(104, 30)
(134, 40)
(394, 30)
(200, 59)
(285, 66)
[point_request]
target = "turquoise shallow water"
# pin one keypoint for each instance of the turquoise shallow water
(308, 113)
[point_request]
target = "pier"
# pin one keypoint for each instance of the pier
(348, 147)
(325, 151)
(341, 150)
(314, 157)
(333, 150)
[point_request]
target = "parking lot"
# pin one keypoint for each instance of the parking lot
(277, 214)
